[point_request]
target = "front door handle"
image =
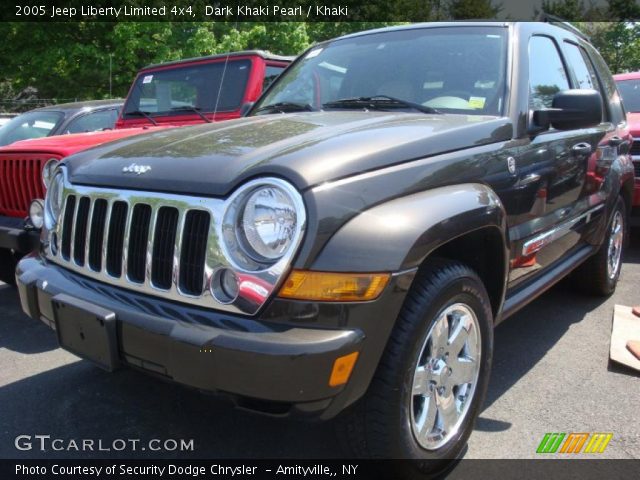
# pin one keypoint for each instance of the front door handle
(533, 177)
(581, 149)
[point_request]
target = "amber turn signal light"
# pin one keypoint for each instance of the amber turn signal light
(342, 368)
(333, 286)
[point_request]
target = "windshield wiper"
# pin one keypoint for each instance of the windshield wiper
(191, 109)
(144, 114)
(284, 107)
(378, 102)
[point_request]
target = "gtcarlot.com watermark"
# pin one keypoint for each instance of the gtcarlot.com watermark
(46, 443)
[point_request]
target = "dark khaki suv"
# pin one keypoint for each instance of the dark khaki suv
(348, 247)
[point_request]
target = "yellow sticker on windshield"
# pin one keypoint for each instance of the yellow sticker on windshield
(476, 102)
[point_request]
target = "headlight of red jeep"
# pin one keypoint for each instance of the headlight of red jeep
(48, 170)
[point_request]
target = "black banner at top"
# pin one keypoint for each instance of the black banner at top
(315, 10)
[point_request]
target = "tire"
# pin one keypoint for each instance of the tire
(384, 424)
(8, 264)
(597, 276)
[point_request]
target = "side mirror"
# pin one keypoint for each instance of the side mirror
(244, 109)
(571, 109)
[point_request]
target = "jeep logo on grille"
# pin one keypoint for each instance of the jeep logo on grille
(137, 169)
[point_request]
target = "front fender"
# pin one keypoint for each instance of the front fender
(398, 235)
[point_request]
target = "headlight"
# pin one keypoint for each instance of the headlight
(267, 224)
(53, 201)
(36, 213)
(48, 170)
(263, 223)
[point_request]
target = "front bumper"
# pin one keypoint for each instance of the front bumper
(14, 236)
(263, 365)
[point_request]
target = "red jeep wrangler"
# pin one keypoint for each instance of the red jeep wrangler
(184, 92)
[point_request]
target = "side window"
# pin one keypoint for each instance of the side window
(585, 75)
(612, 98)
(270, 74)
(93, 121)
(583, 70)
(547, 75)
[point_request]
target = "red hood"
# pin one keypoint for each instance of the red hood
(65, 145)
(633, 119)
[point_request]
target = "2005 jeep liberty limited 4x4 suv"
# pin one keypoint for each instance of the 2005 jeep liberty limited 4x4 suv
(349, 246)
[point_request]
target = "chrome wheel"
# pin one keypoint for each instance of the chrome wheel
(614, 251)
(445, 376)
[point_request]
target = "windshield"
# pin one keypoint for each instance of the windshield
(630, 91)
(29, 125)
(175, 91)
(451, 69)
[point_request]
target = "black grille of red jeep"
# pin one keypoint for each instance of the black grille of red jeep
(20, 182)
(636, 168)
(635, 148)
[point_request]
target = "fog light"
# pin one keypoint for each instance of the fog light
(36, 213)
(342, 368)
(225, 286)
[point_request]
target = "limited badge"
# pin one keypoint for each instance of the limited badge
(511, 165)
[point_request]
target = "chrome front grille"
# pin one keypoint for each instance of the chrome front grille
(170, 246)
(130, 252)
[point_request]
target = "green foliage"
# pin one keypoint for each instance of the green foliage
(617, 40)
(78, 60)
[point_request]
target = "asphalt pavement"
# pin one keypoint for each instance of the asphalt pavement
(551, 374)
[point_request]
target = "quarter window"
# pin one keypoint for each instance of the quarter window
(547, 75)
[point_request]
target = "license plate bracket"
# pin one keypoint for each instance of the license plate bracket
(86, 330)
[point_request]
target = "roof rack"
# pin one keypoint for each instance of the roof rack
(559, 22)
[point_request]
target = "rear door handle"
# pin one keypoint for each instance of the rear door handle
(580, 149)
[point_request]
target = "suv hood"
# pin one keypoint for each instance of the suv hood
(307, 148)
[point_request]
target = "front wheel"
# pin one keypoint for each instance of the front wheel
(432, 379)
